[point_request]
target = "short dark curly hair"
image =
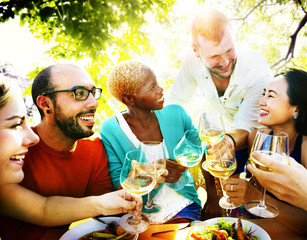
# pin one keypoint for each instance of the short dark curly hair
(124, 78)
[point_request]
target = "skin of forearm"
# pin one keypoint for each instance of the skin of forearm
(240, 136)
(52, 211)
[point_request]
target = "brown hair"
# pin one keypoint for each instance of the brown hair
(209, 23)
(125, 78)
(7, 90)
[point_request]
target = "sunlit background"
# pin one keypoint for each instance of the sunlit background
(267, 30)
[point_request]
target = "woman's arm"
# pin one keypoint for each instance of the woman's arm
(26, 205)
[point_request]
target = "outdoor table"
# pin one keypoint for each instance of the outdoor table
(276, 231)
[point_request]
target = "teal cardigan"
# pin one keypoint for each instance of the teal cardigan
(173, 121)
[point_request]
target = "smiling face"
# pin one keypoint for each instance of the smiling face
(150, 94)
(274, 104)
(74, 118)
(16, 137)
(218, 57)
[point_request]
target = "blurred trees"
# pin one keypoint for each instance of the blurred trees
(98, 31)
(103, 32)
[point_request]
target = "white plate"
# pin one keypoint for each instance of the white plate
(260, 231)
(87, 227)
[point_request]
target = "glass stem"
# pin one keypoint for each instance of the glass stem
(262, 199)
(133, 221)
(223, 191)
(149, 201)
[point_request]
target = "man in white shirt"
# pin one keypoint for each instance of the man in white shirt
(231, 80)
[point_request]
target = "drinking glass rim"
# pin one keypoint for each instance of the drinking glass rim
(130, 152)
(268, 130)
(197, 133)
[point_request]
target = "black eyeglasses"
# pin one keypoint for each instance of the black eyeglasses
(80, 93)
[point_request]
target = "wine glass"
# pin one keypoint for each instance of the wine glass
(138, 176)
(188, 152)
(154, 151)
(211, 129)
(276, 145)
(221, 163)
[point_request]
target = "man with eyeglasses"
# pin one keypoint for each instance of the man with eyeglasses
(66, 173)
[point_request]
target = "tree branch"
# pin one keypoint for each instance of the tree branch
(251, 11)
(290, 52)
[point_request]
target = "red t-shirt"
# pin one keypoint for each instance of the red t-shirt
(79, 173)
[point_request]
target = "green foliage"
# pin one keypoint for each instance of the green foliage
(84, 28)
(101, 31)
(104, 32)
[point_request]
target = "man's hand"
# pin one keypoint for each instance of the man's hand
(120, 202)
(175, 171)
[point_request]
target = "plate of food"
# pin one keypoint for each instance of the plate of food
(93, 229)
(228, 228)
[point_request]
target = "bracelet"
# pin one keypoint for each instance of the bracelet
(234, 141)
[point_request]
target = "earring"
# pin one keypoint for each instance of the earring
(295, 115)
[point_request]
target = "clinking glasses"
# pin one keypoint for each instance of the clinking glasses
(80, 93)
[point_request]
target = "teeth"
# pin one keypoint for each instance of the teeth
(18, 157)
(87, 118)
(262, 111)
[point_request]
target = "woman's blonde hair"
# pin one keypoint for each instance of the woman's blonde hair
(125, 78)
(7, 90)
(209, 23)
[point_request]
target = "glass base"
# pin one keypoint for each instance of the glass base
(128, 223)
(267, 211)
(227, 204)
(151, 209)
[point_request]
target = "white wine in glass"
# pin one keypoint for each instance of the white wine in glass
(154, 151)
(188, 152)
(211, 127)
(222, 164)
(276, 145)
(138, 176)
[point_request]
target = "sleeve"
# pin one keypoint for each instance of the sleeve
(101, 182)
(247, 116)
(185, 85)
(116, 148)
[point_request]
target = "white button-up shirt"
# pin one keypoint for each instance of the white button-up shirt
(240, 102)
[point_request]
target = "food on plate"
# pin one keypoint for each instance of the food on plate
(224, 231)
(109, 233)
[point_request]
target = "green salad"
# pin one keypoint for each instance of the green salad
(224, 231)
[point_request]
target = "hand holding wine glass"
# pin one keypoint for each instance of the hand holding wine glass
(276, 145)
(222, 164)
(138, 176)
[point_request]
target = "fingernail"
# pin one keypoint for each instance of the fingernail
(131, 205)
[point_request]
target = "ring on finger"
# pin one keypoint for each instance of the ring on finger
(231, 188)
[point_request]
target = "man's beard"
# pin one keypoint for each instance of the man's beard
(69, 125)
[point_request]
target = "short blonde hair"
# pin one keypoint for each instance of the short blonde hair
(126, 78)
(209, 23)
(7, 90)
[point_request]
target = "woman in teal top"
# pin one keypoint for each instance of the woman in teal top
(134, 84)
